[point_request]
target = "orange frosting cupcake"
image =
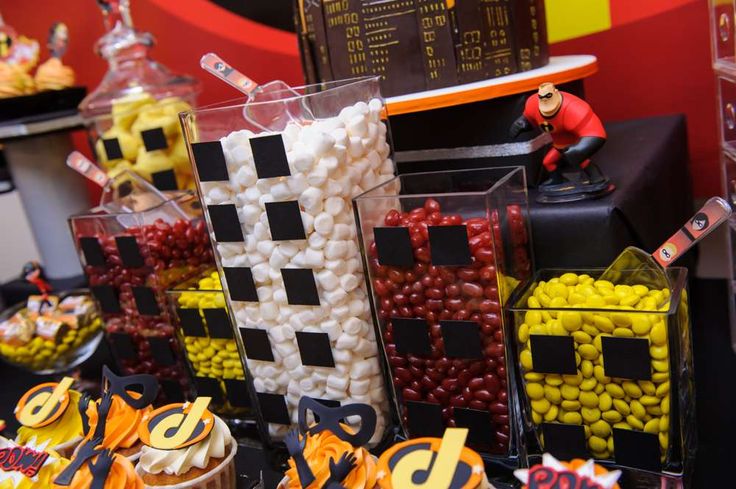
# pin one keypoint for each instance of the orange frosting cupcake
(54, 75)
(12, 81)
(122, 475)
(325, 446)
(121, 428)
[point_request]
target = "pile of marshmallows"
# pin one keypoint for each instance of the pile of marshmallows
(331, 161)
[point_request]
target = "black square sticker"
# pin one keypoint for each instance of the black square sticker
(393, 245)
(225, 223)
(269, 155)
(553, 354)
(565, 441)
(240, 284)
(237, 393)
(315, 349)
(448, 245)
(123, 347)
(112, 149)
(210, 161)
(424, 419)
(154, 139)
(480, 427)
(411, 336)
(257, 345)
(130, 253)
(107, 297)
(161, 351)
(273, 407)
(636, 449)
(145, 301)
(92, 251)
(172, 390)
(626, 358)
(208, 387)
(461, 339)
(300, 286)
(218, 323)
(165, 180)
(285, 220)
(191, 322)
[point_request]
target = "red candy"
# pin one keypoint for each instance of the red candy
(436, 293)
(171, 253)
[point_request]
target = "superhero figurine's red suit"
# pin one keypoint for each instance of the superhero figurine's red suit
(577, 133)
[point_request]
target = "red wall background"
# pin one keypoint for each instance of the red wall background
(655, 62)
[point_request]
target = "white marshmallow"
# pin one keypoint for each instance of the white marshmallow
(317, 177)
(328, 280)
(343, 357)
(297, 183)
(269, 310)
(301, 161)
(335, 297)
(281, 192)
(331, 328)
(357, 126)
(359, 386)
(314, 258)
(362, 369)
(312, 200)
(347, 342)
(324, 223)
(334, 249)
(317, 241)
(278, 260)
(288, 249)
(352, 326)
(338, 382)
(334, 205)
(340, 312)
(265, 247)
(349, 282)
(336, 266)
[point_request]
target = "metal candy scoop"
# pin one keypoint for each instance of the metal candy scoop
(267, 116)
(636, 266)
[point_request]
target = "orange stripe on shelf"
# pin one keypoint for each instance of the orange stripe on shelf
(496, 89)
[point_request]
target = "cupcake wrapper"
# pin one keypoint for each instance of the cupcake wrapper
(221, 477)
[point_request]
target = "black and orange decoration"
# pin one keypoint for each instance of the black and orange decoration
(178, 425)
(44, 403)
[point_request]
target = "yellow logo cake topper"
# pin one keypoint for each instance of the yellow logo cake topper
(177, 425)
(431, 463)
(43, 404)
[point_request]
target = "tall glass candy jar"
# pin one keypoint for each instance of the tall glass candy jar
(277, 176)
(443, 251)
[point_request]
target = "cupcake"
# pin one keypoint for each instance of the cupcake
(200, 459)
(586, 474)
(100, 468)
(327, 452)
(468, 469)
(61, 429)
(325, 449)
(12, 81)
(122, 411)
(53, 75)
(34, 467)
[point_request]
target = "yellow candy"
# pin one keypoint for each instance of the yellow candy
(570, 392)
(659, 352)
(552, 394)
(634, 422)
(551, 415)
(589, 399)
(590, 415)
(588, 352)
(533, 376)
(553, 379)
(616, 391)
(581, 337)
(665, 406)
(570, 405)
(603, 323)
(663, 440)
(664, 423)
(540, 405)
(622, 407)
(658, 335)
(534, 391)
(638, 410)
(597, 444)
(612, 416)
(523, 333)
(571, 320)
(600, 376)
(569, 279)
(647, 387)
(632, 389)
(572, 418)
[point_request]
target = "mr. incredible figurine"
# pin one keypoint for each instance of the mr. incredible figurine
(577, 134)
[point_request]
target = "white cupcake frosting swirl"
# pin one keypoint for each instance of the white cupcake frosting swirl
(178, 462)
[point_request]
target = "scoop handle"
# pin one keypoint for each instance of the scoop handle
(709, 217)
(78, 162)
(216, 66)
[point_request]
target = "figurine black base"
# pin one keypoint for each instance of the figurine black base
(576, 193)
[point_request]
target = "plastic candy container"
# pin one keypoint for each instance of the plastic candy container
(277, 178)
(130, 260)
(203, 323)
(132, 116)
(444, 250)
(606, 369)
